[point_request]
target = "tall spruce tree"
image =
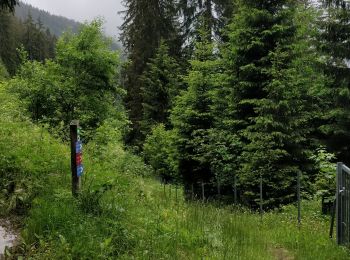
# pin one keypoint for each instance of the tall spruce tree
(29, 37)
(192, 117)
(146, 23)
(334, 44)
(272, 77)
(161, 84)
(213, 15)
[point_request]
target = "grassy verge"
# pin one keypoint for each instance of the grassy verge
(122, 215)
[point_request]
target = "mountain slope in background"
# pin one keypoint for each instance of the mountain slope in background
(56, 24)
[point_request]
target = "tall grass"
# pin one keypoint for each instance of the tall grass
(181, 230)
(122, 215)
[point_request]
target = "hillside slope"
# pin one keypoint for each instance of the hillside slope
(56, 24)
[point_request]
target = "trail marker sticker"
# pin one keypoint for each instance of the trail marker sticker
(78, 147)
(79, 157)
(76, 157)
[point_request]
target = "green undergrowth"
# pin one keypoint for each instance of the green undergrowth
(122, 213)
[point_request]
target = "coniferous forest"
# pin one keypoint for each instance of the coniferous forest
(225, 90)
(197, 136)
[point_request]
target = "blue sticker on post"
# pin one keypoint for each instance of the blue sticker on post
(80, 170)
(78, 147)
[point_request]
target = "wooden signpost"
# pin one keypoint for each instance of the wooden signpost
(76, 157)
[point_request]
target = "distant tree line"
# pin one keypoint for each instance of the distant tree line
(31, 35)
(233, 89)
(56, 24)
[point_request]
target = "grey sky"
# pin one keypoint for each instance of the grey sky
(85, 10)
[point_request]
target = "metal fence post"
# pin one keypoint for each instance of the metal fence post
(176, 193)
(219, 187)
(338, 203)
(299, 198)
(235, 191)
(192, 191)
(261, 196)
(203, 192)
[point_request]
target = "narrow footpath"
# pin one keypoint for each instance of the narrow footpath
(7, 238)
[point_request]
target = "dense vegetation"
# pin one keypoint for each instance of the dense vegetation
(80, 82)
(120, 214)
(258, 89)
(221, 95)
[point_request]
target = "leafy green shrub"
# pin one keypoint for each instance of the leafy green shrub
(106, 149)
(90, 199)
(28, 156)
(80, 83)
(160, 152)
(325, 181)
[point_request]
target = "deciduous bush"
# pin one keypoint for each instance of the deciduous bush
(160, 152)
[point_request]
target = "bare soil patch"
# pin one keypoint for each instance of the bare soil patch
(281, 253)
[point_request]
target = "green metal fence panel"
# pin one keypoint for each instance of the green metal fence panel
(343, 204)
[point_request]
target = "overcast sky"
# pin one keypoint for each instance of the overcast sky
(85, 10)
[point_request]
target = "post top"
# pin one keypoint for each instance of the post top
(74, 122)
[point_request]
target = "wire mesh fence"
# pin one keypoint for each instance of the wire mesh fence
(203, 192)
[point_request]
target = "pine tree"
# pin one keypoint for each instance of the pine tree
(334, 44)
(34, 37)
(30, 39)
(9, 34)
(161, 84)
(192, 117)
(272, 77)
(213, 15)
(146, 23)
(8, 5)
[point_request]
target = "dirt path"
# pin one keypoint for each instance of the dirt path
(7, 237)
(281, 253)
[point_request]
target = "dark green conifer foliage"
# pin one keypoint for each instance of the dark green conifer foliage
(8, 4)
(146, 23)
(192, 117)
(213, 15)
(161, 84)
(9, 40)
(334, 44)
(30, 34)
(36, 40)
(272, 78)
